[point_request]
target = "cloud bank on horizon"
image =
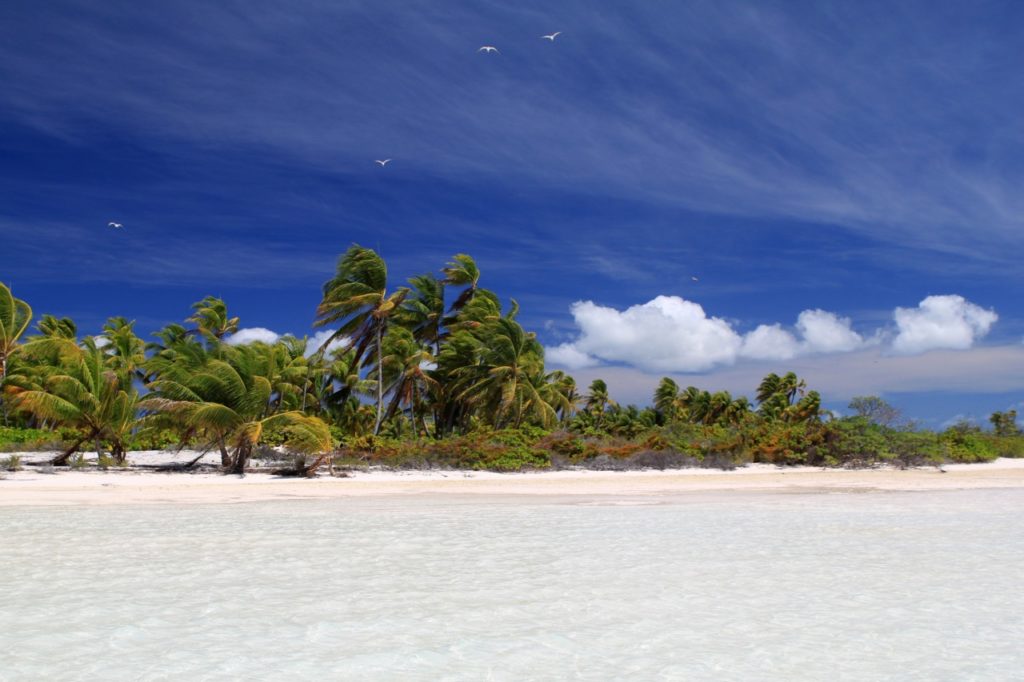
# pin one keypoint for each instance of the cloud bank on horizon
(672, 334)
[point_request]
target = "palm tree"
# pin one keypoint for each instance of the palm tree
(505, 384)
(423, 311)
(462, 271)
(356, 298)
(775, 394)
(665, 396)
(560, 392)
(127, 351)
(228, 401)
(87, 395)
(15, 316)
(597, 400)
(57, 328)
(407, 370)
(211, 319)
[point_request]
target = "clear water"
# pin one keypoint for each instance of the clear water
(881, 586)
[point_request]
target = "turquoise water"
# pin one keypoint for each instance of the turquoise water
(879, 586)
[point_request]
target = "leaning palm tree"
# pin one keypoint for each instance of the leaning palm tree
(462, 272)
(87, 395)
(408, 366)
(15, 316)
(423, 310)
(211, 319)
(506, 385)
(227, 402)
(665, 396)
(127, 351)
(356, 299)
(57, 327)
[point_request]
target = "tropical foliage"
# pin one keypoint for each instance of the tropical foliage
(435, 371)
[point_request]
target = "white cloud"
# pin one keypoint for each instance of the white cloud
(769, 342)
(318, 339)
(666, 334)
(264, 335)
(101, 341)
(252, 335)
(671, 334)
(566, 355)
(949, 322)
(826, 332)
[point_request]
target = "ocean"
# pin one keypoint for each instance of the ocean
(700, 586)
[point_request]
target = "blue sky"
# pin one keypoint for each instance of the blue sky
(852, 158)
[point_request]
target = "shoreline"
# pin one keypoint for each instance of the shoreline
(132, 486)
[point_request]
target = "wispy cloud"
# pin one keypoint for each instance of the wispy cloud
(897, 123)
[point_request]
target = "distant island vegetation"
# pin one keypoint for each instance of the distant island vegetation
(434, 374)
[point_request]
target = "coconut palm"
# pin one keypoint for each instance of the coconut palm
(57, 328)
(505, 385)
(126, 350)
(422, 312)
(15, 316)
(407, 368)
(211, 319)
(462, 271)
(87, 395)
(227, 402)
(560, 392)
(665, 396)
(356, 298)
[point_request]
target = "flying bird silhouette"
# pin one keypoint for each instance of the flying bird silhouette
(117, 226)
(553, 36)
(382, 162)
(488, 48)
(694, 279)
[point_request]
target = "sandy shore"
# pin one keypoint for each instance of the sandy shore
(138, 487)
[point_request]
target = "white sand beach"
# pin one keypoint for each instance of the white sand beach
(133, 486)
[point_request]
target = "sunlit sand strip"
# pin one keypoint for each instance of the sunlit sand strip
(142, 487)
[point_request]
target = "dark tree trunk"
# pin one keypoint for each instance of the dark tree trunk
(62, 459)
(380, 380)
(225, 458)
(241, 460)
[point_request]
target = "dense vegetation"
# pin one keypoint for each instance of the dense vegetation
(434, 374)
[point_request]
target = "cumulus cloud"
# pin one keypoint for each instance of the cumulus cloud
(252, 335)
(665, 334)
(671, 334)
(769, 342)
(264, 335)
(941, 322)
(568, 356)
(825, 332)
(317, 340)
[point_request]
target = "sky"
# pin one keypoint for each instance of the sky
(705, 190)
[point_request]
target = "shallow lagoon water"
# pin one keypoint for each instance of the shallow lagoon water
(870, 586)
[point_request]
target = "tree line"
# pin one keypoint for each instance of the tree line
(436, 369)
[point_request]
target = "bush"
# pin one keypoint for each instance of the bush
(12, 463)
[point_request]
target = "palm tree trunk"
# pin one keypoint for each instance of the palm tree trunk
(380, 380)
(241, 460)
(225, 458)
(3, 375)
(62, 459)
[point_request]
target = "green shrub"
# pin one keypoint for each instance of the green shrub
(12, 463)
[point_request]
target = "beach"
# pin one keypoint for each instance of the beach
(133, 486)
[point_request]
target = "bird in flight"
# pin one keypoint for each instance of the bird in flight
(382, 162)
(488, 48)
(116, 226)
(694, 279)
(553, 36)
